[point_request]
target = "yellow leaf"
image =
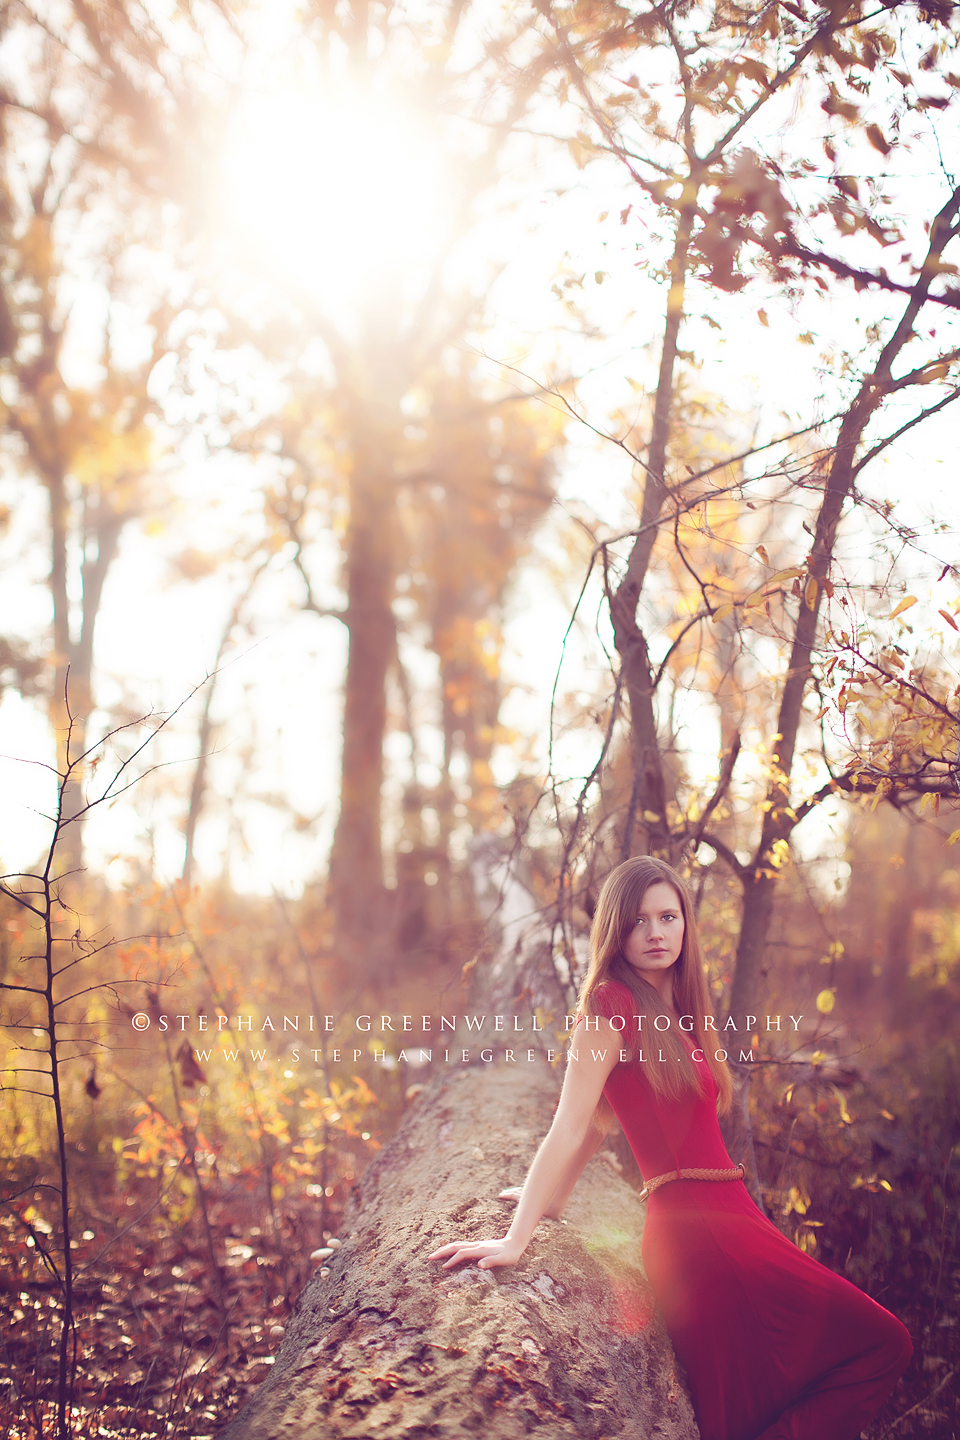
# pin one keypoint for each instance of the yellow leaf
(905, 604)
(721, 612)
(810, 593)
(763, 318)
(762, 552)
(826, 999)
(954, 838)
(782, 575)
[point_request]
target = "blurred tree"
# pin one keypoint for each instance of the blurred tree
(91, 445)
(95, 104)
(421, 469)
(426, 563)
(486, 480)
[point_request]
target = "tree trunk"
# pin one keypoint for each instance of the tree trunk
(387, 1344)
(72, 699)
(198, 786)
(649, 797)
(356, 860)
(70, 702)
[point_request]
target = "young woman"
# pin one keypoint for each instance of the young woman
(775, 1346)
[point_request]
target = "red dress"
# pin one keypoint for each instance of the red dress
(775, 1345)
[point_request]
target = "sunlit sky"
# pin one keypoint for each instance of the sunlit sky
(343, 197)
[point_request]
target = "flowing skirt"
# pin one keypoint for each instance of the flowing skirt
(775, 1345)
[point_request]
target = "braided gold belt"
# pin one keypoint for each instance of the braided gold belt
(695, 1173)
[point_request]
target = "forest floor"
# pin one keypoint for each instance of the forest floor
(167, 1344)
(163, 1344)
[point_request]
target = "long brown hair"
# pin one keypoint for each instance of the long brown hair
(613, 920)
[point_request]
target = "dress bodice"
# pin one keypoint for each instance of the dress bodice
(664, 1134)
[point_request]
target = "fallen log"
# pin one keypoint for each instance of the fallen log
(564, 1344)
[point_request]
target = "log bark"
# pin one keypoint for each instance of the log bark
(565, 1344)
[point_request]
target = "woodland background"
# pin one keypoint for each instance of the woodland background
(554, 401)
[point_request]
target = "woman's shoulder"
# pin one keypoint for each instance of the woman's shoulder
(609, 998)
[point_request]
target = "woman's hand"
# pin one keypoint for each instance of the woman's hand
(570, 1142)
(487, 1253)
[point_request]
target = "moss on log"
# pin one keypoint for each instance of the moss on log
(565, 1344)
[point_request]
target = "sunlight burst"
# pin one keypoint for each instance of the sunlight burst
(342, 192)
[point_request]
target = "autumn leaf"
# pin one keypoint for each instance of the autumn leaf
(905, 604)
(876, 137)
(826, 999)
(753, 70)
(782, 575)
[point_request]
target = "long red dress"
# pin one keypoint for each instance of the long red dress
(775, 1345)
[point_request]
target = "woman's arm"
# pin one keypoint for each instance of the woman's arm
(567, 1147)
(588, 1148)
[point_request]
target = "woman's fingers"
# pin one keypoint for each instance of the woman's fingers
(464, 1245)
(487, 1253)
(469, 1253)
(488, 1262)
(481, 1250)
(444, 1251)
(460, 1254)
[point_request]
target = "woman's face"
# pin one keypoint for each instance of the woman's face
(656, 939)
